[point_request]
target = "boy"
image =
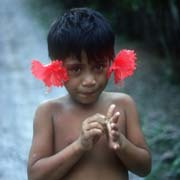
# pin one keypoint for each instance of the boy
(88, 134)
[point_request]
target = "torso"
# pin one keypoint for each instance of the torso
(100, 162)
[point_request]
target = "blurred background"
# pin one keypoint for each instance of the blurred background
(151, 28)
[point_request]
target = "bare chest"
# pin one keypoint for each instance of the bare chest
(67, 128)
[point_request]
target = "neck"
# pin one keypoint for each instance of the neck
(83, 105)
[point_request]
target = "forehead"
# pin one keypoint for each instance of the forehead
(74, 59)
(82, 60)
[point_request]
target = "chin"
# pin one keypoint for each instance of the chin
(86, 100)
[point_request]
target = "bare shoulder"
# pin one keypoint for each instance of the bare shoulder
(50, 104)
(121, 98)
(46, 109)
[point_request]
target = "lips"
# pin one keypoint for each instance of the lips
(88, 93)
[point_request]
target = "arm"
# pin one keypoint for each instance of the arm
(42, 163)
(132, 149)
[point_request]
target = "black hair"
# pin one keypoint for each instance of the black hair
(81, 29)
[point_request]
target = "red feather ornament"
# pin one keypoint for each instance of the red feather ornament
(53, 74)
(123, 65)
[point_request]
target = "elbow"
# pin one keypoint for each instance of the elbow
(143, 167)
(30, 174)
(34, 173)
(145, 172)
(146, 168)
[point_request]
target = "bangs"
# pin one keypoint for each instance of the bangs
(76, 32)
(97, 45)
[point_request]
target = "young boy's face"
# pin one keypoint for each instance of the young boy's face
(87, 78)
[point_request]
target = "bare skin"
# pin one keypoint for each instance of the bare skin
(88, 135)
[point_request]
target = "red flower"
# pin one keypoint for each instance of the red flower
(123, 65)
(53, 74)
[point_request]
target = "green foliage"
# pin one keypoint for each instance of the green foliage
(175, 169)
(163, 139)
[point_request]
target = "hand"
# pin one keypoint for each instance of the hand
(113, 128)
(92, 129)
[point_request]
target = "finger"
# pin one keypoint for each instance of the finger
(110, 111)
(114, 135)
(93, 132)
(116, 146)
(93, 125)
(97, 118)
(101, 119)
(115, 117)
(114, 126)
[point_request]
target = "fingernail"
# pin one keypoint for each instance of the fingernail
(113, 105)
(103, 116)
(117, 113)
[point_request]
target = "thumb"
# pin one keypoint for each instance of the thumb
(110, 111)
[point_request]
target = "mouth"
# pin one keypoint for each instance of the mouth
(88, 93)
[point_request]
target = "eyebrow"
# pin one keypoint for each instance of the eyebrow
(81, 64)
(73, 65)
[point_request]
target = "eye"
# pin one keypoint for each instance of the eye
(74, 69)
(100, 67)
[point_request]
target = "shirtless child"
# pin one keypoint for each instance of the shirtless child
(88, 134)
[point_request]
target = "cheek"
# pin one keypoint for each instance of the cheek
(103, 78)
(71, 84)
(105, 81)
(102, 82)
(74, 83)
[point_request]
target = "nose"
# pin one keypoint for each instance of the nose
(88, 80)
